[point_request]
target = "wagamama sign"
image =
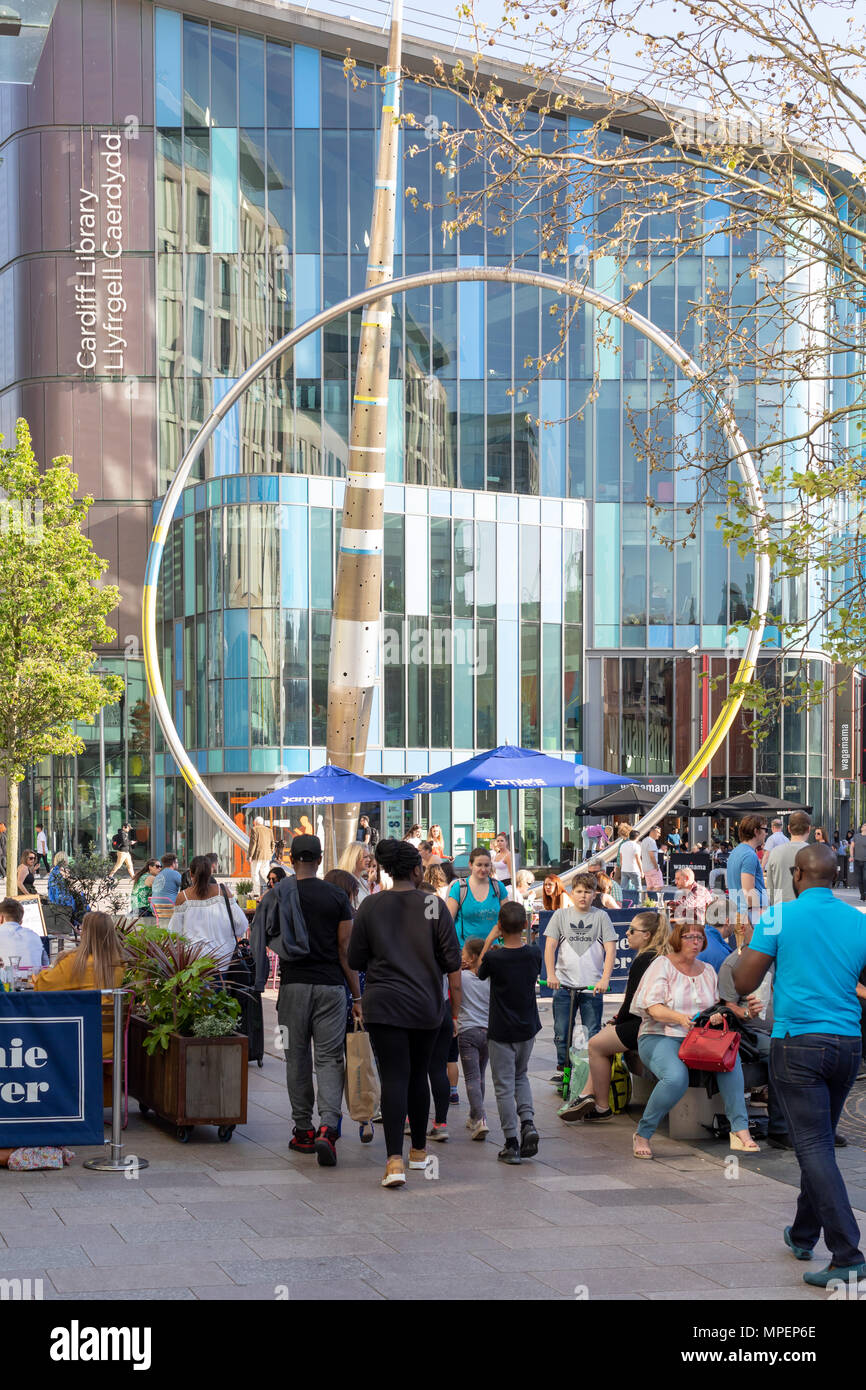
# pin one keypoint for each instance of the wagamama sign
(100, 305)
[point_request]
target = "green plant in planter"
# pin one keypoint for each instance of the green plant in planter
(244, 887)
(177, 986)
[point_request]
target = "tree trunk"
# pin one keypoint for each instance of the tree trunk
(12, 832)
(357, 618)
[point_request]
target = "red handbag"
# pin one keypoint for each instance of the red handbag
(710, 1049)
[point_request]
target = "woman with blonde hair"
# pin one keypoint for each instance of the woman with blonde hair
(26, 880)
(675, 989)
(96, 963)
(438, 842)
(357, 860)
(647, 935)
(435, 880)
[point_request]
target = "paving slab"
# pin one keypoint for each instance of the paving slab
(250, 1221)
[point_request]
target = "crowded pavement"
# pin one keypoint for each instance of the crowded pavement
(582, 1220)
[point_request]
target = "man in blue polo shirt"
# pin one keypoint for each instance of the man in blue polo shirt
(819, 945)
(744, 874)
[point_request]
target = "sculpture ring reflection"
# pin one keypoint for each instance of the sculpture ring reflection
(512, 276)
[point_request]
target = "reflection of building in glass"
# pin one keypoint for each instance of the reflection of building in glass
(531, 542)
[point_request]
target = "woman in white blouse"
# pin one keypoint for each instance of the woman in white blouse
(208, 914)
(675, 988)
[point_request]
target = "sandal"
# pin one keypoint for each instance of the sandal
(740, 1147)
(640, 1153)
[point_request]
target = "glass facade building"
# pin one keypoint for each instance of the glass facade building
(526, 596)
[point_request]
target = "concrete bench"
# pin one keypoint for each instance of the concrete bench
(689, 1116)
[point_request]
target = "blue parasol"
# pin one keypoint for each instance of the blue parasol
(509, 768)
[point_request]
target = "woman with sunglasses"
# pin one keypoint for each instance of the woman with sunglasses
(26, 881)
(275, 873)
(675, 989)
(647, 936)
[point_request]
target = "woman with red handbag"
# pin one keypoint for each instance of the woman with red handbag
(675, 989)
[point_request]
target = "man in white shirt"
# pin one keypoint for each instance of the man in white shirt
(777, 838)
(630, 864)
(649, 859)
(778, 865)
(42, 847)
(17, 940)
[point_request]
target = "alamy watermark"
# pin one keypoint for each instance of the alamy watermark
(444, 646)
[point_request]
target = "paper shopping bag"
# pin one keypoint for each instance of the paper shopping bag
(362, 1078)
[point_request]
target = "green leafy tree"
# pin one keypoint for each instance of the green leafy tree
(53, 613)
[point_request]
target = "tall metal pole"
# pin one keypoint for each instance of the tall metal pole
(103, 820)
(357, 620)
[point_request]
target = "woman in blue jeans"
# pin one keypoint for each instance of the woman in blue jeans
(675, 988)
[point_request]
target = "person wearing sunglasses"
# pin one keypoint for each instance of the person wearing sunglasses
(647, 936)
(675, 989)
(275, 873)
(26, 880)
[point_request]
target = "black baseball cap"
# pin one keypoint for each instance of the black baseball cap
(306, 847)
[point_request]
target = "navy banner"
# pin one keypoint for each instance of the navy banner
(624, 953)
(50, 1068)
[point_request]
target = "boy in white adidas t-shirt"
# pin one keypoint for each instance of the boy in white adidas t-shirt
(579, 956)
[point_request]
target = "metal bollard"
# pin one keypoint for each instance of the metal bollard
(116, 1163)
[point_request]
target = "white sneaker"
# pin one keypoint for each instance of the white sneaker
(478, 1129)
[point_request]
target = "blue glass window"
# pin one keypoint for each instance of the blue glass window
(227, 435)
(237, 643)
(196, 74)
(251, 80)
(464, 695)
(572, 698)
(334, 94)
(362, 169)
(224, 154)
(607, 428)
(224, 76)
(526, 310)
(507, 687)
(293, 558)
(236, 707)
(551, 704)
(296, 683)
(167, 61)
(307, 179)
(322, 553)
(306, 87)
(526, 443)
(308, 353)
(499, 332)
(363, 98)
(280, 187)
(530, 571)
(530, 672)
(471, 304)
(553, 453)
(335, 197)
(440, 683)
(500, 433)
(279, 85)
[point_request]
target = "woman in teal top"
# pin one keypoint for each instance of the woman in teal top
(474, 905)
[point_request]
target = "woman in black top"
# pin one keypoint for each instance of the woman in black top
(647, 935)
(26, 881)
(405, 941)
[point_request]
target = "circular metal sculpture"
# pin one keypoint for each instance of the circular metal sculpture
(511, 276)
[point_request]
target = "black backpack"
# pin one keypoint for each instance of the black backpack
(117, 841)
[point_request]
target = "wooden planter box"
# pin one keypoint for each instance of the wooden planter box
(194, 1081)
